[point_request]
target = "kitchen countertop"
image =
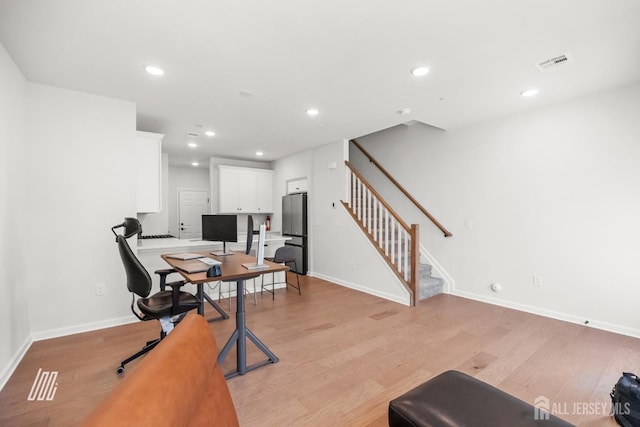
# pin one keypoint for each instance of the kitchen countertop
(173, 243)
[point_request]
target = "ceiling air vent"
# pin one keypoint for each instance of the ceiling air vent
(192, 134)
(554, 62)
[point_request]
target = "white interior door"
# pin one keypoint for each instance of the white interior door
(192, 204)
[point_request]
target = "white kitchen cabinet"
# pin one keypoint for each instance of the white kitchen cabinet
(149, 172)
(265, 191)
(245, 190)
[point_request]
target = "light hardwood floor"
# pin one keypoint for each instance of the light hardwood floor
(344, 355)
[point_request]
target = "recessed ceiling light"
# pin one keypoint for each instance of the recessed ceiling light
(192, 145)
(529, 92)
(210, 133)
(194, 164)
(259, 153)
(420, 71)
(312, 112)
(154, 70)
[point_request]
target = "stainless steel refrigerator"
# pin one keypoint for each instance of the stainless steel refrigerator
(294, 225)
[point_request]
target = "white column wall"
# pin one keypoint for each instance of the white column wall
(552, 192)
(14, 162)
(79, 183)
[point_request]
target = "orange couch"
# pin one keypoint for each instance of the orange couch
(179, 383)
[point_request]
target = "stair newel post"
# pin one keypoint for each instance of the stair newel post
(415, 262)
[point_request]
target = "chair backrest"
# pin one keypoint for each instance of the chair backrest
(138, 279)
(131, 226)
(249, 234)
(284, 254)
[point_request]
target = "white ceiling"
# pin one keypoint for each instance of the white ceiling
(349, 58)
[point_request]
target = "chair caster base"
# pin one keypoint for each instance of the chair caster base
(120, 369)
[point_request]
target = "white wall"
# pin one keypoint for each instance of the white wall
(553, 192)
(78, 185)
(14, 310)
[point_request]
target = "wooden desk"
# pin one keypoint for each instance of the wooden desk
(232, 269)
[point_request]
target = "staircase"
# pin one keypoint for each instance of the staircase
(428, 284)
(396, 241)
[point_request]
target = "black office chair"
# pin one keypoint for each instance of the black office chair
(247, 251)
(284, 255)
(174, 303)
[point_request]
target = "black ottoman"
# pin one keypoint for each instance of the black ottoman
(454, 399)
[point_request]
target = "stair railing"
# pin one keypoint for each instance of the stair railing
(397, 242)
(402, 189)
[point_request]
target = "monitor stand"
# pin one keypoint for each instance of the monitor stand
(224, 251)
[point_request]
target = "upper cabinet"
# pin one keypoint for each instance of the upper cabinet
(265, 190)
(149, 168)
(245, 190)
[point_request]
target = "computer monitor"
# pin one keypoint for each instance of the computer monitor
(220, 228)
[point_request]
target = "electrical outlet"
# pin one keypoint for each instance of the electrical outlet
(100, 289)
(537, 280)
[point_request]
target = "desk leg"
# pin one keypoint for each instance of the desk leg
(239, 337)
(223, 314)
(202, 296)
(241, 326)
(200, 292)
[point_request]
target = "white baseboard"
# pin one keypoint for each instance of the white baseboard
(85, 327)
(8, 371)
(609, 327)
(376, 292)
(93, 326)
